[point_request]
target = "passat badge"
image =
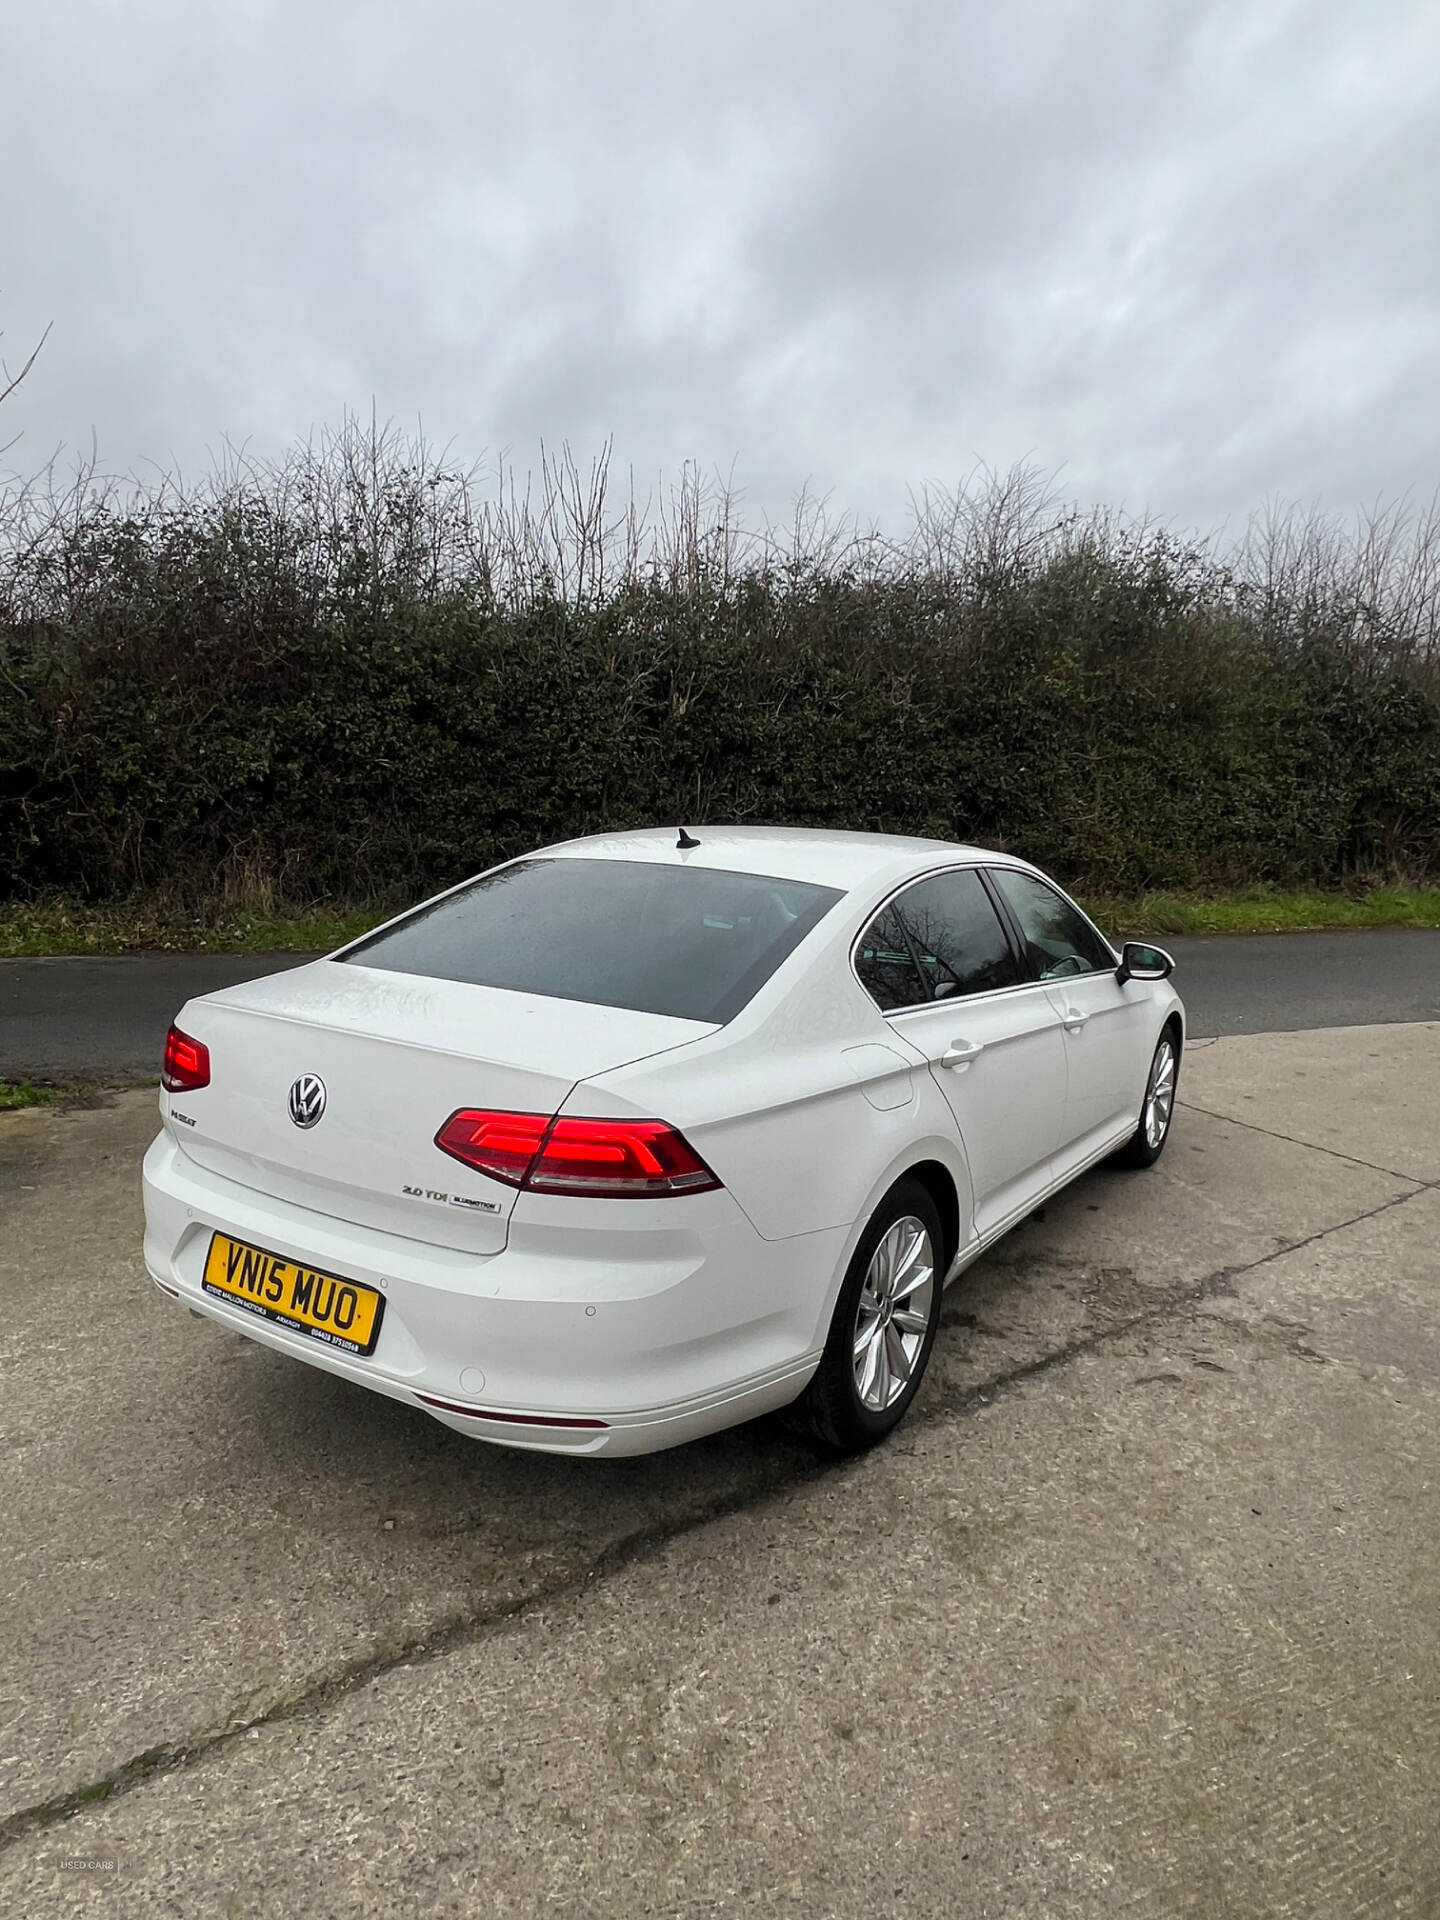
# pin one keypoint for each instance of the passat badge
(307, 1100)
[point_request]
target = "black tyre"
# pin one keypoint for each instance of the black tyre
(884, 1326)
(1147, 1143)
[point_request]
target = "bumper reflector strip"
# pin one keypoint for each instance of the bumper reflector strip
(511, 1419)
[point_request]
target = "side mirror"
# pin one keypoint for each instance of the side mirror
(1139, 961)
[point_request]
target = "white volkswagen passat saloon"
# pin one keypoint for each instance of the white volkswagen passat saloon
(639, 1136)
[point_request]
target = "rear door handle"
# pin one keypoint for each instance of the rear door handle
(960, 1053)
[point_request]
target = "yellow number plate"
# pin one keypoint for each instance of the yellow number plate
(340, 1313)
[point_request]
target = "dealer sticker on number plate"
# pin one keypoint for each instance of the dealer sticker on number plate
(339, 1313)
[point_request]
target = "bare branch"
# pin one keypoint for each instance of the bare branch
(12, 382)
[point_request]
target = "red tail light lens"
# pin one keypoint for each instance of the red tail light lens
(187, 1063)
(635, 1157)
(605, 1159)
(500, 1144)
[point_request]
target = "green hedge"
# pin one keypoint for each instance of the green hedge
(198, 708)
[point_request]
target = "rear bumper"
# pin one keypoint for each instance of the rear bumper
(605, 1327)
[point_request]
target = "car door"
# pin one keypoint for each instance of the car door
(943, 968)
(1108, 1037)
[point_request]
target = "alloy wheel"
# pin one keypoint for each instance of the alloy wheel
(1160, 1095)
(893, 1313)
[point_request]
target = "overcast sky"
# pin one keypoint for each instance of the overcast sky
(1186, 252)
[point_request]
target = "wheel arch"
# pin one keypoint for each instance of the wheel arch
(940, 1166)
(939, 1183)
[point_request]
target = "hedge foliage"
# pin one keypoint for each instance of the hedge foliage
(341, 679)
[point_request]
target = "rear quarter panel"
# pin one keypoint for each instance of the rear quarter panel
(801, 1107)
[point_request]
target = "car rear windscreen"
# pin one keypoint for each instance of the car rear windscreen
(688, 941)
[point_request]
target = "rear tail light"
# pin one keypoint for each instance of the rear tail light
(187, 1063)
(619, 1156)
(500, 1144)
(607, 1159)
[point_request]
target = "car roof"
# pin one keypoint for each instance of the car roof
(818, 854)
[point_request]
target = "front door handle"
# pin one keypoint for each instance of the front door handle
(1074, 1019)
(960, 1053)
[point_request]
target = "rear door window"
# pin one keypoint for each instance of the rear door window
(940, 939)
(692, 942)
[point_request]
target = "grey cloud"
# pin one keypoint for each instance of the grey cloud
(1184, 252)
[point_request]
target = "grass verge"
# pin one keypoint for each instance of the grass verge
(61, 927)
(15, 1094)
(1268, 910)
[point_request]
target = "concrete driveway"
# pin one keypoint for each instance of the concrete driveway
(1137, 1613)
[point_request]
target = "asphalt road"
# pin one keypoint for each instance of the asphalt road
(105, 1018)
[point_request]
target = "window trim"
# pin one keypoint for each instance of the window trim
(1009, 926)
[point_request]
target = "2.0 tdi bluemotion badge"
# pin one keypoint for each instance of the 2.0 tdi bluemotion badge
(637, 1137)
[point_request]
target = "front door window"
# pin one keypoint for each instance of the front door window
(1060, 942)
